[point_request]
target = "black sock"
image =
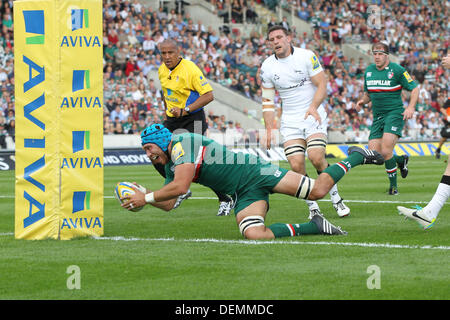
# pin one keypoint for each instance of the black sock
(222, 196)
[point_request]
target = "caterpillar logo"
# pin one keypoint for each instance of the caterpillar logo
(34, 24)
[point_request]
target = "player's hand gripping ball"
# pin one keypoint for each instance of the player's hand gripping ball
(123, 190)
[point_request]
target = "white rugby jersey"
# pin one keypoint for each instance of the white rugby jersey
(291, 77)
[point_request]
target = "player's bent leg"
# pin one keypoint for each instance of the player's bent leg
(303, 187)
(375, 144)
(316, 148)
(292, 185)
(322, 185)
(295, 154)
(251, 225)
(251, 221)
(388, 143)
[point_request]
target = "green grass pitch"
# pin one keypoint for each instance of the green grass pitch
(190, 253)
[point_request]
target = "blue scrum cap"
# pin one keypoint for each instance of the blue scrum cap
(157, 134)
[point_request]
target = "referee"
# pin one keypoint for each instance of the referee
(186, 92)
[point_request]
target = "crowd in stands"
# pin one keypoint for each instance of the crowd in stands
(417, 33)
(7, 110)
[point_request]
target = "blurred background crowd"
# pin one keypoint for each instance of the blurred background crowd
(416, 31)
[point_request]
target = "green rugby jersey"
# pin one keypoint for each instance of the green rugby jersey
(385, 86)
(216, 167)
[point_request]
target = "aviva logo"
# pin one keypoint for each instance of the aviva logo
(81, 80)
(34, 24)
(81, 201)
(80, 19)
(80, 140)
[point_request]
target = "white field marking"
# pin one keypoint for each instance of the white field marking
(321, 200)
(272, 242)
(275, 242)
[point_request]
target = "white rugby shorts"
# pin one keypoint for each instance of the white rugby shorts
(302, 129)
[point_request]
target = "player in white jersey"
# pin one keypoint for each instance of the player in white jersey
(298, 77)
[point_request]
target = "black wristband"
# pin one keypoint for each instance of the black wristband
(445, 179)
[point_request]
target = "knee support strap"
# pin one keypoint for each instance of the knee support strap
(304, 187)
(250, 222)
(316, 143)
(293, 150)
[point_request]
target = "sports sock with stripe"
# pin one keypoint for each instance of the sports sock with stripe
(334, 194)
(339, 169)
(291, 230)
(391, 170)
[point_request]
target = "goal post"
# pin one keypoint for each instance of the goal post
(58, 68)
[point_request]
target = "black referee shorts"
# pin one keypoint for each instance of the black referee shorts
(194, 122)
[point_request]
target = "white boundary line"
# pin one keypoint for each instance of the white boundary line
(270, 242)
(278, 242)
(321, 200)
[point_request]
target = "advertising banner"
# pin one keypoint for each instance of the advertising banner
(81, 118)
(59, 132)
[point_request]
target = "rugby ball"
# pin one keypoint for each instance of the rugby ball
(123, 190)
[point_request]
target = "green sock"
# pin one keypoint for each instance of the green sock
(291, 230)
(339, 169)
(391, 170)
(399, 159)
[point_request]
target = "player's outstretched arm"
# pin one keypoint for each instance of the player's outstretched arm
(165, 197)
(138, 200)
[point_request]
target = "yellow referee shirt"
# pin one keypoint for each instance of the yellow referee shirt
(183, 85)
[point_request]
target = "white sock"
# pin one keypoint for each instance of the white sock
(312, 205)
(335, 197)
(437, 202)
